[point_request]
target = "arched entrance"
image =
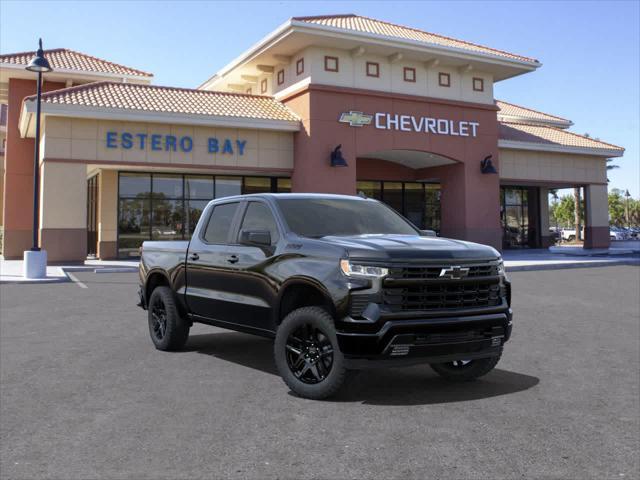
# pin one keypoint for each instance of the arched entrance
(406, 181)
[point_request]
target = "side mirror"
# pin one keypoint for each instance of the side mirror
(258, 238)
(428, 233)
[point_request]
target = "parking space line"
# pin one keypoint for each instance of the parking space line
(75, 280)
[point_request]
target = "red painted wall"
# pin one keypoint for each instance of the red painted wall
(18, 177)
(470, 200)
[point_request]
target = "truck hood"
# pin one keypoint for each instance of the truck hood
(410, 247)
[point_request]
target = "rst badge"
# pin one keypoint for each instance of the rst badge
(454, 273)
(355, 119)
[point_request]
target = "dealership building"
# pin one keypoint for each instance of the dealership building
(341, 104)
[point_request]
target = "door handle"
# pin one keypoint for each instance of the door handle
(233, 259)
(194, 256)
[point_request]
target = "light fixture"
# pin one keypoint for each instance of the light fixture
(486, 166)
(337, 160)
(39, 62)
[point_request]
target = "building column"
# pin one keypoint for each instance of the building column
(470, 204)
(312, 170)
(63, 211)
(18, 173)
(596, 216)
(108, 214)
(546, 239)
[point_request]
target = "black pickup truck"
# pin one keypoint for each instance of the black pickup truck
(341, 283)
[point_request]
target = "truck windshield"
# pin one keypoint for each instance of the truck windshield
(320, 217)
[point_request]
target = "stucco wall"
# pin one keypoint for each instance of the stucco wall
(85, 140)
(551, 167)
(352, 73)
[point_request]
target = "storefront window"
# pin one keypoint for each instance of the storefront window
(418, 202)
(518, 217)
(198, 187)
(414, 202)
(134, 220)
(228, 186)
(392, 195)
(257, 185)
(168, 206)
(370, 189)
(283, 185)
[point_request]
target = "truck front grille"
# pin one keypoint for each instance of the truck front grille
(421, 288)
(442, 295)
(433, 272)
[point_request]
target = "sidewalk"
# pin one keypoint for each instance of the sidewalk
(515, 260)
(544, 259)
(11, 270)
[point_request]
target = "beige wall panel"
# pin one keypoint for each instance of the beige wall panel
(57, 127)
(249, 159)
(274, 159)
(86, 129)
(108, 206)
(57, 147)
(268, 140)
(63, 195)
(598, 214)
(549, 166)
(78, 147)
(82, 149)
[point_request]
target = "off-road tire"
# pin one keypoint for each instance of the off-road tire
(466, 373)
(176, 329)
(321, 320)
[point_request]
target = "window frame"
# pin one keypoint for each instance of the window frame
(444, 75)
(480, 82)
(377, 67)
(245, 209)
(407, 70)
(248, 91)
(300, 66)
(280, 76)
(264, 85)
(232, 227)
(327, 59)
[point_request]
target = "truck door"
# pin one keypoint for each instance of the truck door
(210, 265)
(251, 285)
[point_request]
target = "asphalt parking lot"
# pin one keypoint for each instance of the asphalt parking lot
(85, 395)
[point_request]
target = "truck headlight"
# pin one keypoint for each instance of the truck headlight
(501, 270)
(356, 270)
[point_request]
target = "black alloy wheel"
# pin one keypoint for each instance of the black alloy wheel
(168, 329)
(158, 319)
(309, 354)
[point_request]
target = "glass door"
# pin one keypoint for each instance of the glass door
(92, 216)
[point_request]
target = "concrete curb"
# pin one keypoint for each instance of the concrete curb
(115, 270)
(565, 266)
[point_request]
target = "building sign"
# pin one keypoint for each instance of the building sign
(171, 143)
(411, 123)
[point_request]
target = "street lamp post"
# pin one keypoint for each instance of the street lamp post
(35, 260)
(626, 208)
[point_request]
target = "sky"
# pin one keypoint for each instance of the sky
(590, 51)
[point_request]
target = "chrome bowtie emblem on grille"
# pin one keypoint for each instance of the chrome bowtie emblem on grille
(454, 273)
(355, 119)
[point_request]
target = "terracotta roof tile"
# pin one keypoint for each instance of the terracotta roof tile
(379, 27)
(152, 98)
(517, 132)
(513, 110)
(65, 59)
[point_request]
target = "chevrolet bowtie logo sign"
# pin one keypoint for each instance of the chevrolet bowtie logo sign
(454, 273)
(356, 119)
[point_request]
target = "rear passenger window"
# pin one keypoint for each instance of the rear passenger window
(220, 223)
(259, 217)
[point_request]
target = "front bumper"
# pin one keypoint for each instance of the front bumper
(427, 340)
